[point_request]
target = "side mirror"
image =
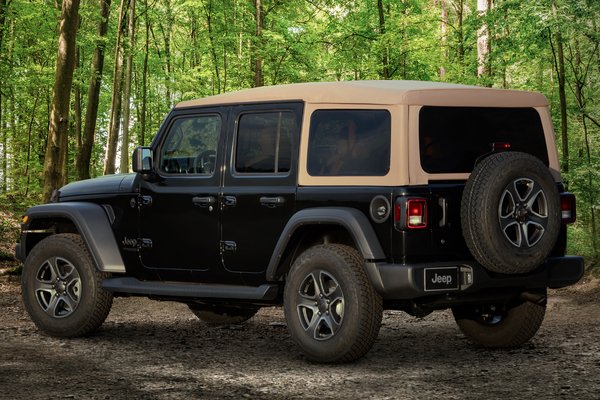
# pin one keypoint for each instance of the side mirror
(142, 160)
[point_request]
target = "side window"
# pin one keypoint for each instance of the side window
(264, 142)
(349, 143)
(191, 145)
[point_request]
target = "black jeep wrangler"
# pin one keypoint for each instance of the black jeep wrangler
(337, 200)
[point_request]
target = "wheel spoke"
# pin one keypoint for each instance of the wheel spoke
(523, 188)
(313, 325)
(69, 303)
(52, 305)
(308, 303)
(336, 295)
(42, 286)
(533, 232)
(537, 204)
(512, 232)
(51, 263)
(507, 204)
(323, 283)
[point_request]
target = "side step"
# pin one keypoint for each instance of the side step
(197, 290)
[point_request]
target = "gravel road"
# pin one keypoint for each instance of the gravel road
(159, 350)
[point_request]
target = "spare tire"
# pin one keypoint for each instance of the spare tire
(510, 212)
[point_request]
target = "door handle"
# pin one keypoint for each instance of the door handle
(203, 201)
(272, 202)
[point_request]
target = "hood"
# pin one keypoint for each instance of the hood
(108, 184)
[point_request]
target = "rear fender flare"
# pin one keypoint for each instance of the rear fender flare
(353, 220)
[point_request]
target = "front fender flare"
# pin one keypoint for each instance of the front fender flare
(93, 225)
(353, 220)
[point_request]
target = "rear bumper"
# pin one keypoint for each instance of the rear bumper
(407, 281)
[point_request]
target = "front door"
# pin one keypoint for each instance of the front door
(259, 185)
(179, 203)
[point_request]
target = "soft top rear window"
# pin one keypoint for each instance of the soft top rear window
(452, 138)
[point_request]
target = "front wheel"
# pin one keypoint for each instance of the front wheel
(500, 326)
(333, 312)
(61, 287)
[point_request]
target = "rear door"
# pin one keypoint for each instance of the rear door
(259, 188)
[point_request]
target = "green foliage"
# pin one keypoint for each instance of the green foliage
(198, 48)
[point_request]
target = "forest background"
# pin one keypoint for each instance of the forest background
(82, 82)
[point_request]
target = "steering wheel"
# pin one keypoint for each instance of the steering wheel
(204, 163)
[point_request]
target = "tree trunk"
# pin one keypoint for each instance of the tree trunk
(126, 111)
(29, 137)
(483, 39)
(3, 9)
(443, 38)
(117, 94)
(385, 63)
(213, 50)
(145, 79)
(580, 73)
(460, 47)
(559, 65)
(258, 71)
(166, 29)
(77, 106)
(82, 163)
(4, 129)
(56, 147)
(3, 187)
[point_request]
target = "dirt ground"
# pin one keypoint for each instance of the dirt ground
(159, 350)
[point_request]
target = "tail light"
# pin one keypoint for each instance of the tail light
(501, 146)
(411, 213)
(568, 209)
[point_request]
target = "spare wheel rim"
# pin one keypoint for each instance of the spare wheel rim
(523, 212)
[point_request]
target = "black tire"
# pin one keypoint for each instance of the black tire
(510, 213)
(61, 287)
(222, 315)
(499, 326)
(343, 323)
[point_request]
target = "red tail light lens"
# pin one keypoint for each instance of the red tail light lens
(416, 210)
(410, 213)
(568, 209)
(499, 146)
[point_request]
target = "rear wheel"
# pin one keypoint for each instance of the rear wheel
(500, 326)
(333, 312)
(223, 315)
(61, 287)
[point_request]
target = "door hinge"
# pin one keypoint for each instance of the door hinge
(228, 246)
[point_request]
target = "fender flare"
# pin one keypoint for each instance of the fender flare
(93, 225)
(353, 220)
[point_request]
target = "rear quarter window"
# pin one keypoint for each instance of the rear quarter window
(452, 138)
(349, 143)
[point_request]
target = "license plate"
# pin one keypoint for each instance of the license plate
(441, 278)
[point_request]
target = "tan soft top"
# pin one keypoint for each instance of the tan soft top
(379, 92)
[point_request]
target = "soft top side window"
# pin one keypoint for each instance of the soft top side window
(264, 142)
(349, 143)
(191, 145)
(452, 138)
